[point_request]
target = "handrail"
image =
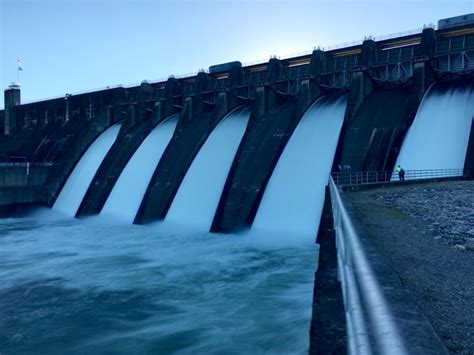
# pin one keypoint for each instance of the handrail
(26, 164)
(369, 177)
(82, 92)
(370, 323)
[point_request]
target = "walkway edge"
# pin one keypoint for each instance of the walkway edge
(386, 320)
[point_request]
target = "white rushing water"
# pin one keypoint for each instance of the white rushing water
(294, 197)
(198, 196)
(78, 182)
(127, 194)
(439, 135)
(90, 286)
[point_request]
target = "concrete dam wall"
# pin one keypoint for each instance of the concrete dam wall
(383, 84)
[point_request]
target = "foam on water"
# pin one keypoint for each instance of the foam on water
(198, 196)
(439, 135)
(127, 194)
(89, 286)
(294, 197)
(78, 182)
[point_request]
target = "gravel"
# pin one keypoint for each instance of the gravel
(427, 232)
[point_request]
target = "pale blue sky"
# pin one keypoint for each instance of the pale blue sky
(77, 45)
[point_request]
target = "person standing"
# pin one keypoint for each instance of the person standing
(401, 172)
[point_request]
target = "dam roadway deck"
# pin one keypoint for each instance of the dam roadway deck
(426, 231)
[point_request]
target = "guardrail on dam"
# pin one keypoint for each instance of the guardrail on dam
(369, 319)
(371, 177)
(360, 304)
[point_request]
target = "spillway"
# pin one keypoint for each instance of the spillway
(439, 135)
(294, 197)
(127, 194)
(78, 182)
(198, 196)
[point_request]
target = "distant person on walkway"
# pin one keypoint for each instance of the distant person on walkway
(401, 173)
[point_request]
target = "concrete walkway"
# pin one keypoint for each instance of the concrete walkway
(426, 231)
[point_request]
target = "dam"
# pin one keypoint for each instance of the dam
(199, 199)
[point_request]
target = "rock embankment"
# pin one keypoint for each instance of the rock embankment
(427, 232)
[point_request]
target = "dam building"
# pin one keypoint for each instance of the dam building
(250, 147)
(382, 93)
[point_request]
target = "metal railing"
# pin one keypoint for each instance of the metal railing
(26, 164)
(402, 33)
(371, 328)
(371, 177)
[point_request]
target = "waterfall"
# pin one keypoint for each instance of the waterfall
(439, 135)
(129, 190)
(78, 182)
(294, 197)
(198, 196)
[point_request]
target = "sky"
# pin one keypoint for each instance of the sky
(69, 46)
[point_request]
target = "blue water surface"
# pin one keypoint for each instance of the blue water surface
(97, 286)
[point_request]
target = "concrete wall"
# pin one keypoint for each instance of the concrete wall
(372, 138)
(23, 176)
(469, 162)
(20, 187)
(15, 199)
(328, 333)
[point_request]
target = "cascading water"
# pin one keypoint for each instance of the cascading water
(127, 194)
(294, 197)
(198, 196)
(439, 135)
(79, 180)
